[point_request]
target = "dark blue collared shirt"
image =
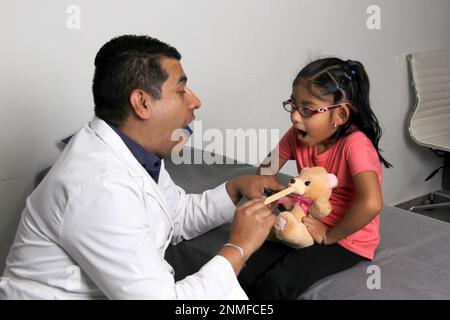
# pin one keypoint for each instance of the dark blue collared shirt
(150, 161)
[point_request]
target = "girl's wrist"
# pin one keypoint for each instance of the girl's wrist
(323, 240)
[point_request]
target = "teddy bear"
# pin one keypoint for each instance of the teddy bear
(309, 192)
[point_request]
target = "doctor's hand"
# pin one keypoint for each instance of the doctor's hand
(251, 225)
(252, 187)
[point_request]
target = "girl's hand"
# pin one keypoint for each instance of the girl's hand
(316, 228)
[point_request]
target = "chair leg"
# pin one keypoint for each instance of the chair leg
(431, 206)
(430, 203)
(442, 195)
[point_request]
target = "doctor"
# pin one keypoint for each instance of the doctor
(99, 223)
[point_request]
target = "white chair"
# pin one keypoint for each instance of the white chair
(429, 122)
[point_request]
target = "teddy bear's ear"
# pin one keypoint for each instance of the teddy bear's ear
(332, 181)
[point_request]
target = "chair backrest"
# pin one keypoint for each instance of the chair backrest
(429, 123)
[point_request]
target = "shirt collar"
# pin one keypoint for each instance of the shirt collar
(150, 161)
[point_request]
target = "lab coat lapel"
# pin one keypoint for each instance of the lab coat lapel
(135, 169)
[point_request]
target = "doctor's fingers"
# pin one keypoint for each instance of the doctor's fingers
(259, 203)
(258, 211)
(269, 220)
(258, 208)
(250, 203)
(272, 183)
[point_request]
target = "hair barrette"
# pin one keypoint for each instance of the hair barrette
(350, 76)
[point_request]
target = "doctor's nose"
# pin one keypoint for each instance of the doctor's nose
(194, 102)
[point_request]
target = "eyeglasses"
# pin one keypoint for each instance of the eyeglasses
(306, 111)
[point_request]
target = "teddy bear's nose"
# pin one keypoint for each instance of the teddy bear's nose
(292, 181)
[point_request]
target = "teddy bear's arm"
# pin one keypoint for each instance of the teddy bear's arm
(320, 208)
(298, 212)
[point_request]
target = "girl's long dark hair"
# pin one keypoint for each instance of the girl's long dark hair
(346, 81)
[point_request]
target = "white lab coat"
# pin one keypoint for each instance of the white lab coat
(98, 226)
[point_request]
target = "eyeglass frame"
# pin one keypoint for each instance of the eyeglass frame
(294, 108)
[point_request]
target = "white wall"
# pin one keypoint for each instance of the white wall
(240, 56)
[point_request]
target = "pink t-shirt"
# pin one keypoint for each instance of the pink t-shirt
(349, 156)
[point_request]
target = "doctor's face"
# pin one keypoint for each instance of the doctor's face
(175, 109)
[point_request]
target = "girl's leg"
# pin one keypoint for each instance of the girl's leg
(299, 269)
(262, 261)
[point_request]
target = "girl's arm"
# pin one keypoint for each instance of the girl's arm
(367, 206)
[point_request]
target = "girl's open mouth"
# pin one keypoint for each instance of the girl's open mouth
(301, 134)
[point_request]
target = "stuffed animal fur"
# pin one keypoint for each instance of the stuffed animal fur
(313, 189)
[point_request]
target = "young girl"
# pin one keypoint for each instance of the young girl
(333, 127)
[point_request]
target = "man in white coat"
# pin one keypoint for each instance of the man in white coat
(99, 223)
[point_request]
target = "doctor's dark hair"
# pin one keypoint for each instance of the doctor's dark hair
(345, 81)
(123, 64)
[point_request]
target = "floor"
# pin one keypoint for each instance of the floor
(437, 213)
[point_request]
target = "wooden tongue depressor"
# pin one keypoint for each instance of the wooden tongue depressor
(279, 195)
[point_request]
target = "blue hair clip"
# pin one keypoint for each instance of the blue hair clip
(353, 73)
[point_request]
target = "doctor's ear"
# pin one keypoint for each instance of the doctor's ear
(140, 102)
